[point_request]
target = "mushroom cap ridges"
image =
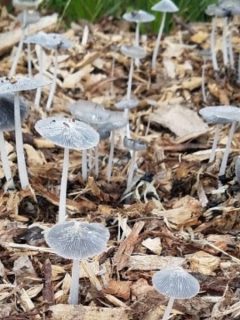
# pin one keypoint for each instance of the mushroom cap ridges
(140, 16)
(19, 84)
(176, 283)
(7, 122)
(77, 240)
(68, 133)
(165, 6)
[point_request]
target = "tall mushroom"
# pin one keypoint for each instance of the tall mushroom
(7, 124)
(175, 283)
(164, 6)
(15, 86)
(68, 134)
(77, 241)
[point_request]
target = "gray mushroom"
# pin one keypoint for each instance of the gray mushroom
(163, 6)
(77, 241)
(175, 283)
(15, 86)
(221, 115)
(134, 146)
(7, 124)
(69, 134)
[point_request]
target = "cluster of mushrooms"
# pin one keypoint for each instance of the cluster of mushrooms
(90, 123)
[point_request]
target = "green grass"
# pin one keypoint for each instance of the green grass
(93, 10)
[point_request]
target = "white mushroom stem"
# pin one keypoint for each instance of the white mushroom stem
(130, 78)
(227, 149)
(54, 82)
(157, 45)
(203, 83)
(131, 169)
(230, 48)
(110, 160)
(137, 41)
(39, 90)
(213, 49)
(5, 162)
(96, 161)
(12, 71)
(168, 309)
(215, 142)
(63, 187)
(224, 41)
(22, 169)
(74, 290)
(84, 165)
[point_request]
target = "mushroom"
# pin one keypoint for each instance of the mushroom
(23, 5)
(50, 41)
(163, 6)
(15, 86)
(221, 115)
(175, 283)
(77, 241)
(134, 146)
(138, 17)
(95, 115)
(69, 134)
(7, 124)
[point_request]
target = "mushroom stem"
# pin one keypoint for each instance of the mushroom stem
(224, 43)
(213, 49)
(73, 297)
(39, 90)
(131, 169)
(137, 41)
(215, 142)
(203, 83)
(130, 77)
(110, 160)
(54, 83)
(96, 161)
(227, 149)
(230, 48)
(22, 169)
(12, 71)
(63, 188)
(84, 165)
(29, 55)
(157, 45)
(5, 162)
(168, 309)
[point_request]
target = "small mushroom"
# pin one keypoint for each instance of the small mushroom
(134, 146)
(139, 16)
(163, 6)
(15, 86)
(50, 41)
(175, 283)
(69, 134)
(221, 115)
(77, 241)
(7, 124)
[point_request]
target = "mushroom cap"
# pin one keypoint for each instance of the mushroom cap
(176, 283)
(68, 133)
(26, 4)
(139, 16)
(135, 145)
(77, 240)
(21, 84)
(126, 103)
(216, 10)
(232, 7)
(220, 114)
(116, 121)
(31, 17)
(165, 6)
(134, 52)
(7, 122)
(49, 40)
(90, 112)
